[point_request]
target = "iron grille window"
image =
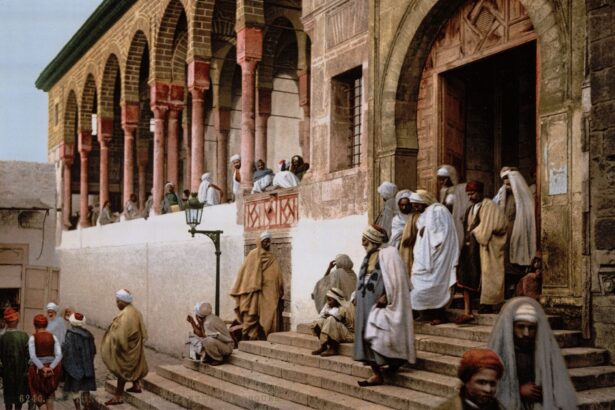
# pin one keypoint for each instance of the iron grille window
(355, 135)
(346, 93)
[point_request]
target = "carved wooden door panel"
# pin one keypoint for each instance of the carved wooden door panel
(453, 122)
(41, 287)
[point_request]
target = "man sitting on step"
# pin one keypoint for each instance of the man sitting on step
(335, 324)
(212, 342)
(535, 375)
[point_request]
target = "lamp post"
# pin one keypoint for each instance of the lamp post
(194, 213)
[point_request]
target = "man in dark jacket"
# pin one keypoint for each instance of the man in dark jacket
(14, 358)
(78, 351)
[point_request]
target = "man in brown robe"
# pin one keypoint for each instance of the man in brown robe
(123, 347)
(258, 291)
(481, 267)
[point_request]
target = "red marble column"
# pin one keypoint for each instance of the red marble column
(159, 114)
(198, 82)
(249, 53)
(66, 154)
(142, 161)
(186, 146)
(264, 112)
(130, 122)
(304, 125)
(85, 146)
(105, 131)
(223, 126)
(172, 153)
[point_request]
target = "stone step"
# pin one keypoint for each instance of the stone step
(292, 386)
(597, 399)
(101, 396)
(146, 400)
(345, 381)
(489, 319)
(234, 396)
(585, 378)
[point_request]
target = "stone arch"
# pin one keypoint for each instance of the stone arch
(138, 46)
(200, 29)
(416, 33)
(163, 48)
(88, 98)
(225, 67)
(107, 86)
(271, 40)
(71, 112)
(178, 66)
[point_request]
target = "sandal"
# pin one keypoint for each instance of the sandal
(112, 402)
(134, 389)
(464, 319)
(370, 382)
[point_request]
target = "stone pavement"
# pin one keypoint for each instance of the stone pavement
(154, 359)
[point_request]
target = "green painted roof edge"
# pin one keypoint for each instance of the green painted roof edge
(105, 15)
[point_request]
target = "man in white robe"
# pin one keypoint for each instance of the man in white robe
(209, 193)
(236, 163)
(131, 208)
(56, 324)
(436, 253)
(517, 202)
(453, 196)
(404, 208)
(387, 191)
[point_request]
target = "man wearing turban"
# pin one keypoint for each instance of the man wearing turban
(212, 342)
(480, 370)
(56, 324)
(387, 191)
(436, 253)
(384, 333)
(453, 196)
(123, 347)
(258, 291)
(481, 265)
(78, 353)
(335, 324)
(535, 375)
(45, 369)
(236, 163)
(14, 359)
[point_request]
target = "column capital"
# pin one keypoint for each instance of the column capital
(159, 93)
(105, 129)
(84, 142)
(130, 116)
(66, 151)
(176, 96)
(198, 75)
(159, 110)
(249, 44)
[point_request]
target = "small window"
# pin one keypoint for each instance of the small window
(56, 114)
(346, 94)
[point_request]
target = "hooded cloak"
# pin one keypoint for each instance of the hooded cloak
(208, 195)
(342, 277)
(387, 191)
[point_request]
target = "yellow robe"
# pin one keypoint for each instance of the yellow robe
(257, 292)
(123, 345)
(409, 233)
(491, 235)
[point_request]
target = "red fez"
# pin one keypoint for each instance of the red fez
(78, 316)
(10, 315)
(40, 321)
(475, 359)
(475, 186)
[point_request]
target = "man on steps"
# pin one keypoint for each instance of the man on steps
(335, 324)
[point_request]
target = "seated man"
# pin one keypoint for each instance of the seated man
(209, 193)
(480, 370)
(335, 324)
(297, 166)
(263, 177)
(284, 178)
(212, 342)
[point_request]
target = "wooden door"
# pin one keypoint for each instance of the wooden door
(453, 120)
(41, 286)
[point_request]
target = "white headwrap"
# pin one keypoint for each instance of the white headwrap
(202, 309)
(446, 170)
(236, 157)
(76, 322)
(53, 306)
(527, 313)
(265, 235)
(387, 190)
(168, 185)
(124, 295)
(204, 186)
(417, 199)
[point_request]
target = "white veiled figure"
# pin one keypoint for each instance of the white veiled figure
(262, 183)
(285, 179)
(549, 367)
(436, 254)
(387, 191)
(208, 195)
(455, 197)
(399, 220)
(523, 238)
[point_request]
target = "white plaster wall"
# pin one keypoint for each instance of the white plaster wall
(26, 185)
(158, 261)
(283, 125)
(316, 244)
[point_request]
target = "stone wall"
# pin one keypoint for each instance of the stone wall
(601, 130)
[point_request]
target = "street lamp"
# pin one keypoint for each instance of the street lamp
(194, 213)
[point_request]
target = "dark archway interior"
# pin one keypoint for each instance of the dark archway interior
(492, 108)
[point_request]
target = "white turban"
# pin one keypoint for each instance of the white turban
(124, 295)
(505, 171)
(417, 199)
(527, 313)
(202, 309)
(236, 157)
(206, 177)
(75, 321)
(404, 193)
(387, 190)
(443, 172)
(53, 306)
(449, 171)
(266, 235)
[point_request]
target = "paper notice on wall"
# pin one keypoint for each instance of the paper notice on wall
(554, 130)
(558, 180)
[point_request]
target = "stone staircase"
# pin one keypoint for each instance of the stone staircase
(280, 373)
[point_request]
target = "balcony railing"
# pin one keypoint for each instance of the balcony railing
(275, 209)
